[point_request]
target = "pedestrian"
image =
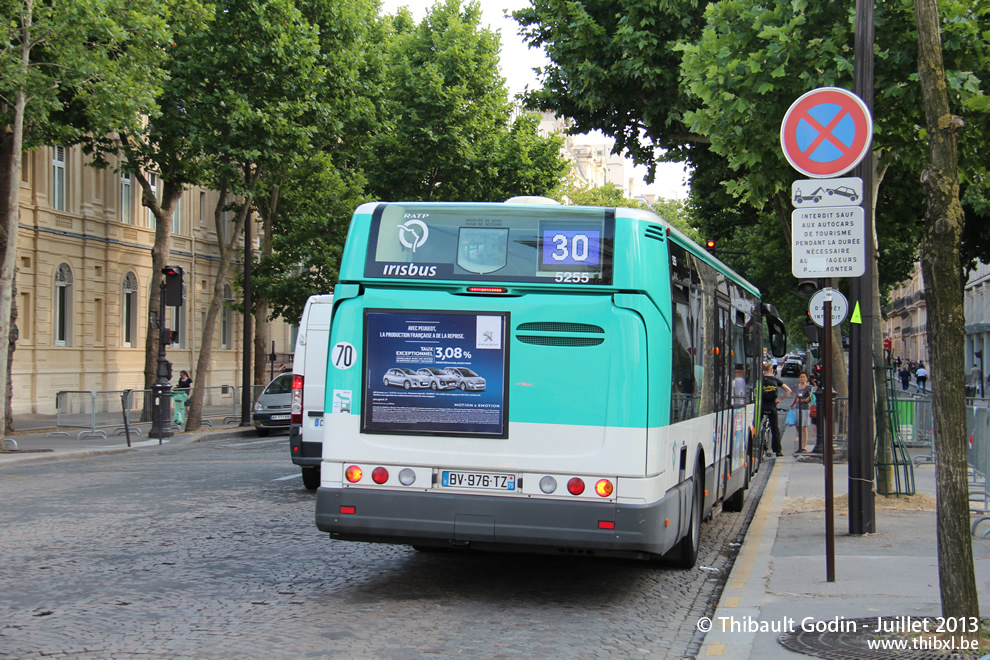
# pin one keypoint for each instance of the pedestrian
(905, 375)
(975, 377)
(921, 376)
(775, 364)
(802, 399)
(771, 397)
(180, 398)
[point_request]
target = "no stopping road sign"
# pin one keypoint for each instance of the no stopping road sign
(826, 132)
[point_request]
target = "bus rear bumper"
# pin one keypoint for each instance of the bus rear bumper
(502, 523)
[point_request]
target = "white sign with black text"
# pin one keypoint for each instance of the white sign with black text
(828, 242)
(816, 308)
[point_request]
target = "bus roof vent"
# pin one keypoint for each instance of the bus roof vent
(531, 199)
(656, 232)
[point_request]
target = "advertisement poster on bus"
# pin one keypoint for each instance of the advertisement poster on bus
(441, 373)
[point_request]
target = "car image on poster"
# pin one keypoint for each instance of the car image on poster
(438, 373)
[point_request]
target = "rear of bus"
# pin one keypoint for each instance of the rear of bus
(506, 384)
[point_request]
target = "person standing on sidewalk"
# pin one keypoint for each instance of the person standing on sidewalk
(771, 397)
(802, 399)
(179, 397)
(921, 377)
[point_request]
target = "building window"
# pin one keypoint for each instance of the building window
(202, 208)
(58, 178)
(126, 199)
(24, 311)
(129, 310)
(153, 184)
(63, 305)
(227, 322)
(98, 320)
(177, 217)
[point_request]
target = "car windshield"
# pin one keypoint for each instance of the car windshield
(466, 372)
(408, 372)
(426, 371)
(281, 385)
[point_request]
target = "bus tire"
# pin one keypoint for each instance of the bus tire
(311, 477)
(685, 553)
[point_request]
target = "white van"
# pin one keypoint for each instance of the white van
(309, 374)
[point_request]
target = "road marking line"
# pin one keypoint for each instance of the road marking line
(291, 476)
(715, 648)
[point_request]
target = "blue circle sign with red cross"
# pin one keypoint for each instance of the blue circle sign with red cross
(826, 132)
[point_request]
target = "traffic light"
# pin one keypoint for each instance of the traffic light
(171, 336)
(710, 245)
(174, 288)
(807, 288)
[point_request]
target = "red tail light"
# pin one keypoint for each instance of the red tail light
(297, 399)
(379, 475)
(575, 486)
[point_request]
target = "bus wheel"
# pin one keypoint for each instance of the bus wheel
(311, 477)
(685, 554)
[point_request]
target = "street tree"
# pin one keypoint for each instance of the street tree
(67, 69)
(447, 133)
(941, 266)
(344, 113)
(245, 80)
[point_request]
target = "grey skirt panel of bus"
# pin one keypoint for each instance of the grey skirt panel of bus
(502, 522)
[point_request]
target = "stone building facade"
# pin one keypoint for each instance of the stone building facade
(83, 274)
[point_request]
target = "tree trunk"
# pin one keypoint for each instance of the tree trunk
(261, 361)
(8, 235)
(942, 273)
(194, 420)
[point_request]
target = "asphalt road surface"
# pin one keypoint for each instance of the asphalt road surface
(210, 551)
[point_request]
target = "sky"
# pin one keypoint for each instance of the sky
(517, 65)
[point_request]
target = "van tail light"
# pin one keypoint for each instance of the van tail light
(297, 399)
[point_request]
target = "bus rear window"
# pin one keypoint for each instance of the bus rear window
(470, 242)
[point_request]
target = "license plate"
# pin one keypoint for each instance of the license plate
(479, 480)
(278, 418)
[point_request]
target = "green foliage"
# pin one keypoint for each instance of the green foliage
(447, 133)
(93, 65)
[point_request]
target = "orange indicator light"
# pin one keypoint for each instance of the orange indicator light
(603, 487)
(354, 474)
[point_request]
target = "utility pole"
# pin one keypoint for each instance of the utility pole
(862, 515)
(248, 372)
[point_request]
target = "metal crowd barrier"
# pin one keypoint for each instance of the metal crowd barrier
(96, 413)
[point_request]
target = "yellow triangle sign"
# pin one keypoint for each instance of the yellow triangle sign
(856, 317)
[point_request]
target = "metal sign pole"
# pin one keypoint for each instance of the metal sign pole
(825, 415)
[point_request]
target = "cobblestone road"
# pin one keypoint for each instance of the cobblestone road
(202, 552)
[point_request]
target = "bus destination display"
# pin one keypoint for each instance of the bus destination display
(489, 242)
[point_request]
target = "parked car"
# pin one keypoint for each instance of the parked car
(439, 379)
(405, 378)
(467, 380)
(791, 368)
(273, 409)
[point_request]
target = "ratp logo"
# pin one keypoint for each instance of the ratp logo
(418, 237)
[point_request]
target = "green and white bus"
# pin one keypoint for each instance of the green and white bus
(527, 376)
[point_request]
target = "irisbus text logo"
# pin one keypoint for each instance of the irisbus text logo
(409, 270)
(413, 234)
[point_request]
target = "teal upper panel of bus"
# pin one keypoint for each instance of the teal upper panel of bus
(518, 245)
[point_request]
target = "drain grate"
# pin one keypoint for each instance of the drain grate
(854, 638)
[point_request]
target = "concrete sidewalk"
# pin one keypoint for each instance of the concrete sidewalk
(779, 581)
(37, 440)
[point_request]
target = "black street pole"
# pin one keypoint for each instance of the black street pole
(862, 515)
(825, 418)
(161, 409)
(247, 376)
